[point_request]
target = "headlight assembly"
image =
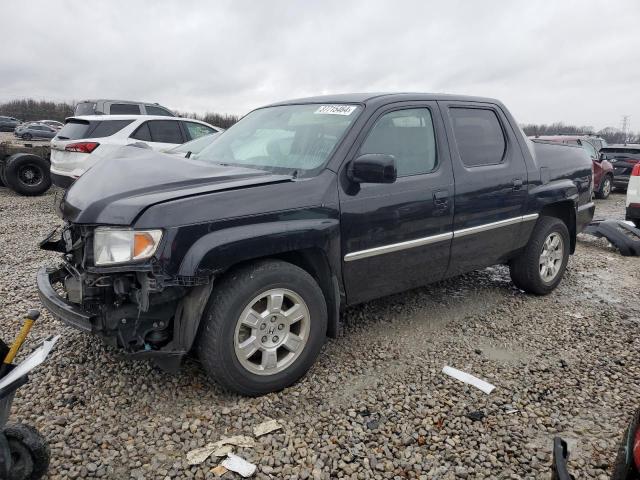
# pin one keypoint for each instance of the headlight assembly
(121, 245)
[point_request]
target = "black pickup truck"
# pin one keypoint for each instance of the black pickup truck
(248, 251)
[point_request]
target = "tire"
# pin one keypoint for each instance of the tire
(27, 174)
(29, 452)
(606, 187)
(26, 136)
(623, 468)
(3, 180)
(526, 269)
(222, 329)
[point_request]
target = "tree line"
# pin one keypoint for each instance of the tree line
(611, 134)
(28, 109)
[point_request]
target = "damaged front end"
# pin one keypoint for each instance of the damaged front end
(134, 306)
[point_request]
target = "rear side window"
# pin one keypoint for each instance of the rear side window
(124, 109)
(142, 133)
(165, 131)
(106, 128)
(75, 129)
(152, 110)
(197, 130)
(409, 136)
(479, 136)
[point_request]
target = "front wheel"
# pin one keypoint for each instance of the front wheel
(605, 187)
(29, 452)
(541, 266)
(263, 327)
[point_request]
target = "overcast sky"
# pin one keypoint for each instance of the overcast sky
(571, 61)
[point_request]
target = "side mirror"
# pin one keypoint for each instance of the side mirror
(373, 168)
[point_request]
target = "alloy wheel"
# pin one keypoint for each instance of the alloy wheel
(272, 331)
(551, 257)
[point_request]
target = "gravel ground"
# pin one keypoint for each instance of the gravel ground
(376, 404)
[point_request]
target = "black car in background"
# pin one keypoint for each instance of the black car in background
(8, 124)
(623, 158)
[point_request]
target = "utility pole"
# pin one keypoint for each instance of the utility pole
(625, 127)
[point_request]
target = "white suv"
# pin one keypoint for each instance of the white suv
(85, 140)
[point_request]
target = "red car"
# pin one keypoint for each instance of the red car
(602, 168)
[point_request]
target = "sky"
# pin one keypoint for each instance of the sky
(548, 61)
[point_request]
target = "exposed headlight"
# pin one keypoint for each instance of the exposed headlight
(121, 245)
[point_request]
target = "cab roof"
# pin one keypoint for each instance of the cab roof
(383, 98)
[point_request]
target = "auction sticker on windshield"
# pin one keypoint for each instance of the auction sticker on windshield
(336, 109)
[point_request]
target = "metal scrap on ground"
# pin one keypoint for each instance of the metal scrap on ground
(465, 377)
(218, 449)
(266, 427)
(239, 465)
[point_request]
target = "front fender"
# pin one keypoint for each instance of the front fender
(218, 250)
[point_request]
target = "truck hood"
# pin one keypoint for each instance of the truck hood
(117, 190)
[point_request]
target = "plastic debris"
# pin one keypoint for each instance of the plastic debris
(465, 377)
(239, 465)
(266, 427)
(476, 416)
(218, 449)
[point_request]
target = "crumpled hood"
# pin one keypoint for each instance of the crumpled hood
(116, 190)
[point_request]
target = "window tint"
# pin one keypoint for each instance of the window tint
(142, 133)
(408, 135)
(165, 131)
(124, 109)
(153, 110)
(106, 128)
(197, 130)
(478, 135)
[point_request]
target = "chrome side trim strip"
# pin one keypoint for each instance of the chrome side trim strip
(490, 226)
(396, 247)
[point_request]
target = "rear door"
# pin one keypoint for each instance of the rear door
(397, 236)
(160, 134)
(490, 185)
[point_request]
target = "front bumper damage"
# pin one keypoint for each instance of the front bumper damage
(135, 308)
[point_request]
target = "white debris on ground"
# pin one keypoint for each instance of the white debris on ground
(469, 379)
(218, 449)
(239, 465)
(266, 427)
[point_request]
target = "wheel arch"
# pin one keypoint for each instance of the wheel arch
(565, 211)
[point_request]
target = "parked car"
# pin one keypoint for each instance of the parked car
(8, 124)
(602, 168)
(248, 251)
(29, 131)
(85, 140)
(623, 158)
(194, 146)
(52, 123)
(632, 202)
(120, 107)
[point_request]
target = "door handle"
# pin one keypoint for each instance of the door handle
(517, 183)
(440, 198)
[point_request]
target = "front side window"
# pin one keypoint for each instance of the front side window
(197, 130)
(165, 131)
(479, 136)
(124, 109)
(409, 136)
(589, 148)
(283, 139)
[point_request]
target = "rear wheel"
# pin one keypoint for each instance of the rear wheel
(605, 187)
(27, 174)
(29, 452)
(263, 328)
(541, 266)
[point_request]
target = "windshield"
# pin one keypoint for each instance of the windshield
(611, 153)
(290, 139)
(194, 146)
